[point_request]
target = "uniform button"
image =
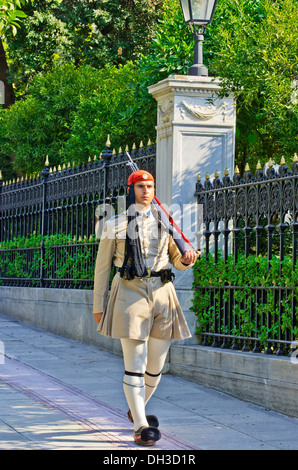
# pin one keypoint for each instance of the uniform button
(153, 280)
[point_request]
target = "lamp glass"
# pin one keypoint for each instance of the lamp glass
(198, 11)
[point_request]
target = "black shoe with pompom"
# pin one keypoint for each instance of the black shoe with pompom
(146, 436)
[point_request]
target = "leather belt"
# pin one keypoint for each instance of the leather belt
(166, 275)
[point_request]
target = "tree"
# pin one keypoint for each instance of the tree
(81, 32)
(67, 115)
(251, 45)
(10, 16)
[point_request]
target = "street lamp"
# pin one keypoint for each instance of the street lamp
(198, 14)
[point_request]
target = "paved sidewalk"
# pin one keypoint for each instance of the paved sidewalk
(59, 394)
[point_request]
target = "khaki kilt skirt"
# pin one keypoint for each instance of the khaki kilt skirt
(140, 308)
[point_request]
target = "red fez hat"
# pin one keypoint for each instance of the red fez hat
(140, 175)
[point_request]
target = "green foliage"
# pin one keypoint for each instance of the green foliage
(253, 45)
(10, 15)
(172, 47)
(68, 114)
(65, 257)
(246, 274)
(80, 32)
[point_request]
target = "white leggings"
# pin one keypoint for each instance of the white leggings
(143, 361)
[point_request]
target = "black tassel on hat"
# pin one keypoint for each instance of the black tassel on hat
(132, 243)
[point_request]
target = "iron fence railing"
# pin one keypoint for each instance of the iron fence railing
(247, 296)
(49, 225)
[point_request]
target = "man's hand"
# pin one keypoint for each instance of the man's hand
(190, 257)
(97, 317)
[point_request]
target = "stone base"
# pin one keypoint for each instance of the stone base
(271, 382)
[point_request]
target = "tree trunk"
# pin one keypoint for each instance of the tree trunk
(7, 97)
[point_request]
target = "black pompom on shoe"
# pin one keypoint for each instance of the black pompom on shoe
(146, 436)
(152, 419)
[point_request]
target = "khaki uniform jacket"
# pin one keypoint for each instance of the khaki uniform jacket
(138, 308)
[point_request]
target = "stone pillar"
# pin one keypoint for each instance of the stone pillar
(195, 134)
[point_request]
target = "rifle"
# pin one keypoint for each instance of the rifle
(166, 219)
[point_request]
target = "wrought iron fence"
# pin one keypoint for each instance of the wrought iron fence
(48, 224)
(246, 294)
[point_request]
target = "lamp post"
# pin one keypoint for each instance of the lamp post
(198, 14)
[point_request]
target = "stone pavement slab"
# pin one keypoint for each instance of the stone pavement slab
(56, 393)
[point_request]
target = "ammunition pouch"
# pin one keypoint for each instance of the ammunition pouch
(166, 275)
(127, 273)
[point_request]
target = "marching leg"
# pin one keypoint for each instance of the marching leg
(134, 354)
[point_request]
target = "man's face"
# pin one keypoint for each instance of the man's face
(144, 193)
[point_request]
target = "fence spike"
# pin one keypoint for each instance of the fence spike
(237, 171)
(207, 177)
(216, 174)
(226, 172)
(259, 166)
(0, 175)
(47, 161)
(108, 143)
(282, 161)
(270, 163)
(295, 159)
(149, 143)
(246, 169)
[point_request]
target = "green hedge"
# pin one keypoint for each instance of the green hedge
(65, 257)
(247, 274)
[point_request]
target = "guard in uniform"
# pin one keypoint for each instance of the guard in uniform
(142, 308)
